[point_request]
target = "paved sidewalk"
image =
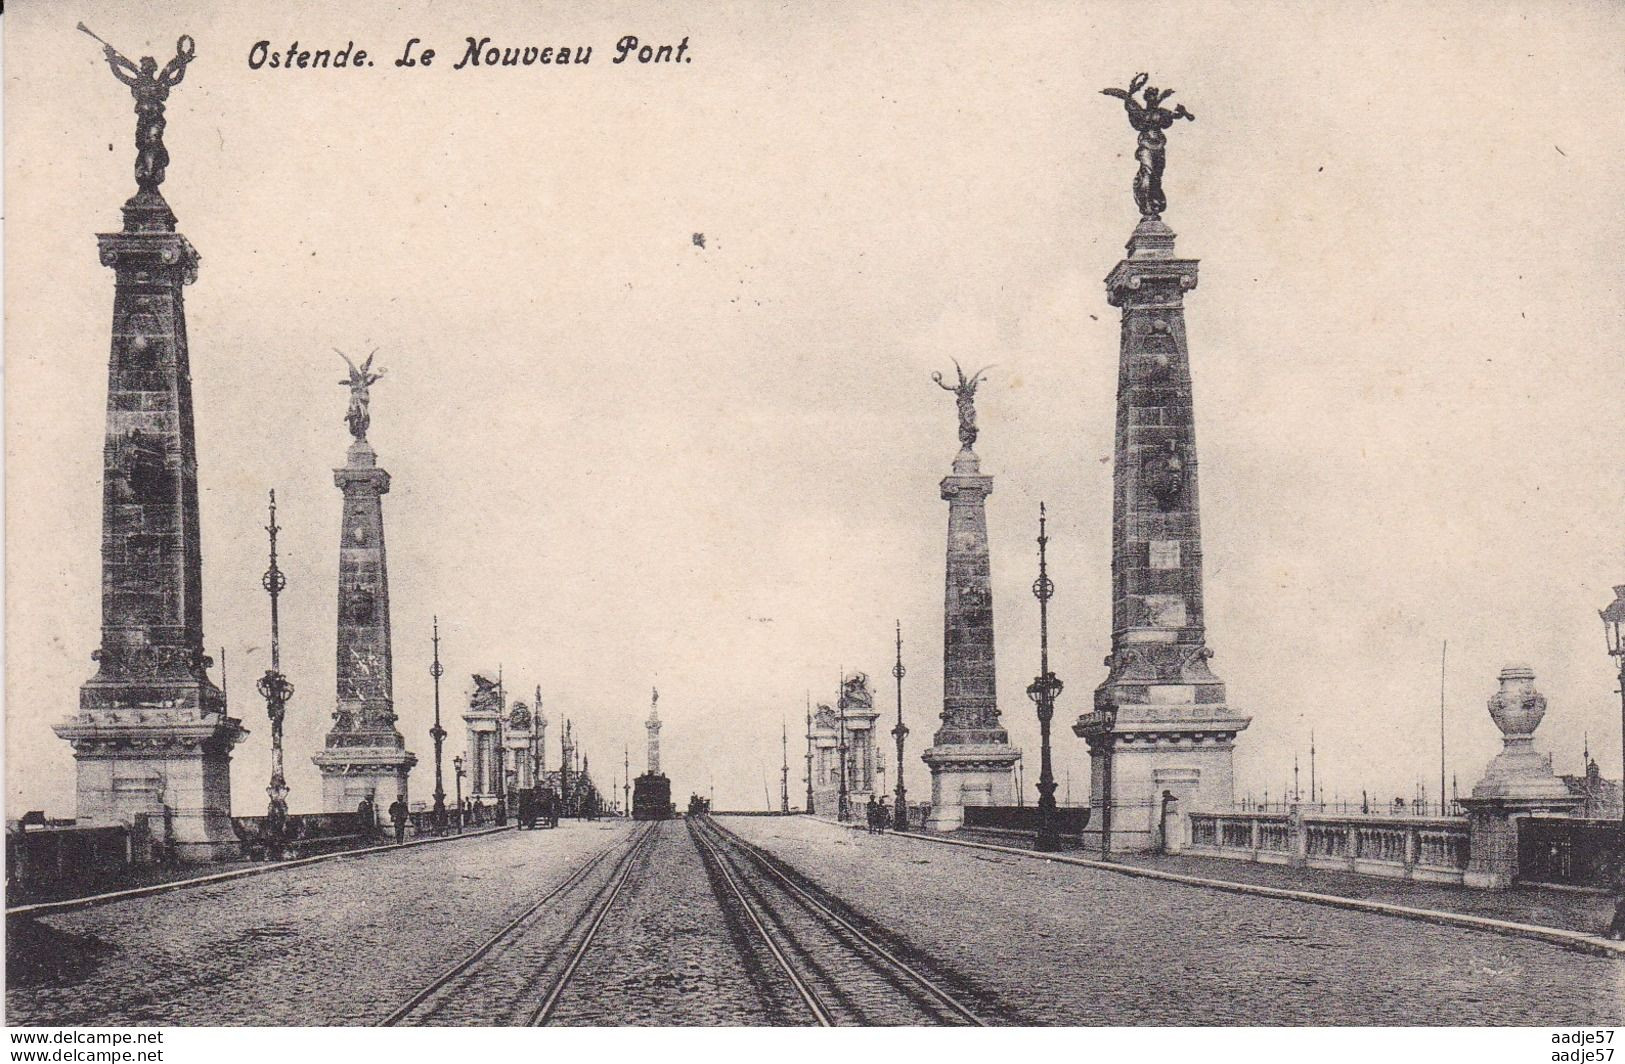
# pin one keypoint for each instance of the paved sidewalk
(1541, 906)
(1047, 941)
(149, 878)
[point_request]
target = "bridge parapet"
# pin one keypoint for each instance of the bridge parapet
(1431, 849)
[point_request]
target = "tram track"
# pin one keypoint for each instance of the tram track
(501, 980)
(839, 973)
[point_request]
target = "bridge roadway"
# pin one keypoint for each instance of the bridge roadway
(764, 921)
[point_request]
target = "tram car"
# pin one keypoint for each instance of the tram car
(538, 808)
(698, 806)
(651, 797)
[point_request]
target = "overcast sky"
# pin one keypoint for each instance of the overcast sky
(622, 460)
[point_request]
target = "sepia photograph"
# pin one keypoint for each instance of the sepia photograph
(744, 515)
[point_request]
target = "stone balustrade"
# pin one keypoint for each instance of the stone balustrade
(1434, 849)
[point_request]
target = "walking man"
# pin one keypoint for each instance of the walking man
(397, 816)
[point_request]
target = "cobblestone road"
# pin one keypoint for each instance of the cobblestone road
(339, 942)
(1062, 944)
(1020, 940)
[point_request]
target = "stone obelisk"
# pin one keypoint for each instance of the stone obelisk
(971, 758)
(1160, 723)
(365, 755)
(152, 736)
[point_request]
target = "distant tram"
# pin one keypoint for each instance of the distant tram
(651, 797)
(538, 808)
(698, 806)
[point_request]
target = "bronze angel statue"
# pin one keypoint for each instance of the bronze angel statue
(1150, 119)
(359, 383)
(150, 87)
(965, 397)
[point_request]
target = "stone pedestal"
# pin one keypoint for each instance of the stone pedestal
(1519, 782)
(365, 755)
(971, 759)
(151, 734)
(1161, 713)
(965, 774)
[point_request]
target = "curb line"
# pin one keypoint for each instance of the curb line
(1593, 944)
(48, 908)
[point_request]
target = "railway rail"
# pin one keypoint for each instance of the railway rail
(503, 979)
(841, 974)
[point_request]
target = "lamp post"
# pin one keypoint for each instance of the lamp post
(499, 772)
(810, 809)
(1044, 689)
(536, 731)
(840, 721)
(438, 734)
(276, 690)
(457, 770)
(900, 732)
(1613, 623)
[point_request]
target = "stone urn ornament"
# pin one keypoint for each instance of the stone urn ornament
(1517, 708)
(1519, 772)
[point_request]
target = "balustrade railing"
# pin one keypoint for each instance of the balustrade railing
(1428, 848)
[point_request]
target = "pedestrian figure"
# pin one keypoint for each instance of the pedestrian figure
(364, 816)
(479, 812)
(869, 808)
(882, 818)
(397, 815)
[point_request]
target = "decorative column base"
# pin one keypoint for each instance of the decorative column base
(968, 774)
(350, 774)
(1190, 759)
(174, 766)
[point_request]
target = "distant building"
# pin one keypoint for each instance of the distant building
(851, 722)
(1601, 798)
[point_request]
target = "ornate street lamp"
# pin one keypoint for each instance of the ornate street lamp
(276, 690)
(900, 732)
(840, 722)
(438, 734)
(810, 809)
(1613, 624)
(1044, 689)
(457, 770)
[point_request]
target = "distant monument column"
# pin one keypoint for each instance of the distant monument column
(970, 758)
(152, 735)
(652, 726)
(365, 754)
(1160, 715)
(651, 792)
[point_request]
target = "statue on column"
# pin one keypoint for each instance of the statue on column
(361, 380)
(965, 397)
(1149, 119)
(150, 87)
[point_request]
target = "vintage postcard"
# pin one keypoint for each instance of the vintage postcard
(755, 515)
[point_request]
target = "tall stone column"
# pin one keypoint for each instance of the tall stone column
(1160, 722)
(971, 759)
(1161, 712)
(652, 726)
(365, 754)
(151, 735)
